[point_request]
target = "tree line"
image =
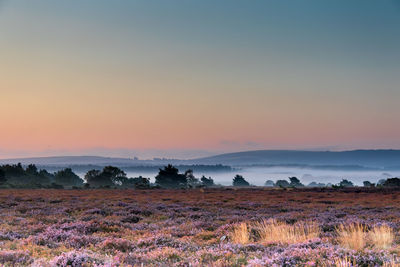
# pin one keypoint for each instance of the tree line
(16, 176)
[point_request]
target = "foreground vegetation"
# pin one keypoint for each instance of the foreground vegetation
(200, 227)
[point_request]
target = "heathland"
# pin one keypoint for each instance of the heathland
(200, 227)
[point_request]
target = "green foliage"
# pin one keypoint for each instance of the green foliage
(67, 177)
(109, 176)
(238, 180)
(169, 177)
(392, 182)
(282, 183)
(295, 182)
(207, 181)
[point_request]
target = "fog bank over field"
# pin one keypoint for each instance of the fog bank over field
(255, 166)
(258, 175)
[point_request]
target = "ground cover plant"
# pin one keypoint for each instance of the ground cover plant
(200, 227)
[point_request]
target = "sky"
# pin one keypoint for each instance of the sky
(186, 78)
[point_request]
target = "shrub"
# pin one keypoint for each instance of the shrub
(392, 182)
(295, 182)
(207, 181)
(269, 183)
(238, 180)
(346, 183)
(67, 177)
(282, 183)
(169, 177)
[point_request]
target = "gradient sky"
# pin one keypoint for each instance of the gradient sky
(191, 78)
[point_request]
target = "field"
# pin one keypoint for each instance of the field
(200, 227)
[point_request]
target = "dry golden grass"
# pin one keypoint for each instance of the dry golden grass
(345, 262)
(392, 263)
(272, 231)
(240, 234)
(352, 236)
(381, 237)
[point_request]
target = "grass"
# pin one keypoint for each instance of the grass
(272, 231)
(352, 236)
(381, 237)
(240, 234)
(345, 262)
(357, 236)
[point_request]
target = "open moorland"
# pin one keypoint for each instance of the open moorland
(200, 227)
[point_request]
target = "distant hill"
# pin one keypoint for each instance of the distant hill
(70, 160)
(355, 159)
(364, 158)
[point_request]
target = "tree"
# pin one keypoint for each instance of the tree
(269, 183)
(67, 177)
(282, 183)
(191, 180)
(346, 183)
(381, 182)
(110, 176)
(137, 183)
(92, 177)
(238, 180)
(169, 177)
(114, 174)
(3, 178)
(392, 182)
(368, 184)
(31, 169)
(207, 181)
(294, 182)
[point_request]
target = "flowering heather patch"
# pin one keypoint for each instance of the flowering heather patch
(197, 227)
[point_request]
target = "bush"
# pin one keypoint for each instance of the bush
(108, 177)
(67, 177)
(295, 182)
(282, 183)
(207, 181)
(368, 184)
(392, 182)
(346, 183)
(238, 180)
(169, 177)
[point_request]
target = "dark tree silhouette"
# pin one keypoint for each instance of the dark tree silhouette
(110, 176)
(346, 183)
(169, 177)
(114, 174)
(31, 170)
(137, 182)
(392, 182)
(282, 183)
(67, 177)
(3, 178)
(368, 184)
(238, 180)
(191, 180)
(92, 178)
(269, 183)
(207, 181)
(295, 182)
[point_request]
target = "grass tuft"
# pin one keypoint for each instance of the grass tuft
(240, 234)
(381, 237)
(272, 231)
(352, 236)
